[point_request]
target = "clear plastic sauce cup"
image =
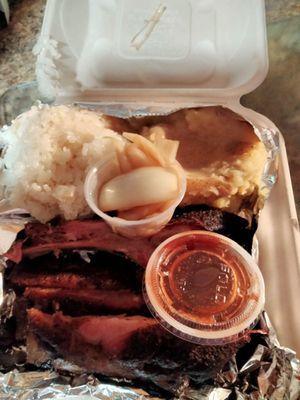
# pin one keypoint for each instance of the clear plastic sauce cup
(105, 170)
(204, 288)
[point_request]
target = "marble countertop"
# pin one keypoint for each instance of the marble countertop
(278, 97)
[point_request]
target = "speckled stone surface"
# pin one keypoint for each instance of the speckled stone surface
(17, 40)
(278, 97)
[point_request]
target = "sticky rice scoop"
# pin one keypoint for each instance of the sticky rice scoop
(47, 153)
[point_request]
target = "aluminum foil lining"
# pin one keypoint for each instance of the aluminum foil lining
(271, 373)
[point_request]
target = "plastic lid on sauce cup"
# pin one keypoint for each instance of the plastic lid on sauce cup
(204, 288)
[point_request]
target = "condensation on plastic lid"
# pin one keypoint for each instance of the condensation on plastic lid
(204, 287)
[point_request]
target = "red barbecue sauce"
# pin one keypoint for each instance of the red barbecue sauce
(202, 281)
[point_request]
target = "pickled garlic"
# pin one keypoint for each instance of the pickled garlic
(140, 187)
(147, 181)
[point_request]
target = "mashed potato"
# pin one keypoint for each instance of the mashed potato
(47, 152)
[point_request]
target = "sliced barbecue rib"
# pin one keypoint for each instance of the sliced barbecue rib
(40, 239)
(83, 301)
(102, 270)
(53, 273)
(128, 347)
(61, 280)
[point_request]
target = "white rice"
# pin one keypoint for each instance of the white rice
(48, 151)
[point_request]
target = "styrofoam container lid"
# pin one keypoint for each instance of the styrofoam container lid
(93, 48)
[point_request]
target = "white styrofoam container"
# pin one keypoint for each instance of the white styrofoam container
(83, 54)
(279, 250)
(199, 52)
(279, 256)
